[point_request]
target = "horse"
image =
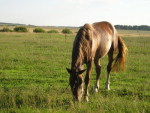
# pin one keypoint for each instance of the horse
(92, 42)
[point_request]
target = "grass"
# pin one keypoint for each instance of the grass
(33, 76)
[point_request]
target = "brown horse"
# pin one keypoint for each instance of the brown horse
(92, 42)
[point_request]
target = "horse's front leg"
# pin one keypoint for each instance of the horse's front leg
(87, 79)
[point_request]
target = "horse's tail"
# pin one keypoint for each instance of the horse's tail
(120, 60)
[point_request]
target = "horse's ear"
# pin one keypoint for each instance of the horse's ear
(69, 70)
(80, 72)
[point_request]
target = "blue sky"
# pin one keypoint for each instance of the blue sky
(75, 12)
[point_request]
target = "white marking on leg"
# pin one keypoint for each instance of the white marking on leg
(107, 83)
(86, 98)
(107, 86)
(96, 87)
(86, 95)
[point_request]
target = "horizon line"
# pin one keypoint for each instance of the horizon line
(1, 23)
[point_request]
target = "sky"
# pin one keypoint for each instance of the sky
(75, 12)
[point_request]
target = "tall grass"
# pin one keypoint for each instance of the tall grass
(33, 77)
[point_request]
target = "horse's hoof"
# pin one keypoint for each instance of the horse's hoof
(107, 88)
(86, 98)
(95, 90)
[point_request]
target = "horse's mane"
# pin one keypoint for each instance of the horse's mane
(82, 45)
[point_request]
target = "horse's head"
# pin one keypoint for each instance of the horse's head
(76, 83)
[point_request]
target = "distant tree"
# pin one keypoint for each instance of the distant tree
(20, 29)
(53, 31)
(126, 27)
(39, 30)
(5, 29)
(66, 31)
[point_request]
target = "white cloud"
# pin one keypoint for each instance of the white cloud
(92, 1)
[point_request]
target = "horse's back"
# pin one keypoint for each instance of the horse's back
(104, 27)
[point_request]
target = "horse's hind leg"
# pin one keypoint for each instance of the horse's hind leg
(98, 72)
(109, 66)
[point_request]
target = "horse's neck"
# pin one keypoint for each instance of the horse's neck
(77, 60)
(78, 53)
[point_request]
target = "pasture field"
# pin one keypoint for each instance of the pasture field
(33, 76)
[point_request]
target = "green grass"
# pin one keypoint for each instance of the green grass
(33, 76)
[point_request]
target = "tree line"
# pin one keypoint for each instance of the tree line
(35, 30)
(135, 27)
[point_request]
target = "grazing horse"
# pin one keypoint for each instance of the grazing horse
(91, 43)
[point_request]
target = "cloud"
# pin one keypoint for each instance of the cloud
(92, 1)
